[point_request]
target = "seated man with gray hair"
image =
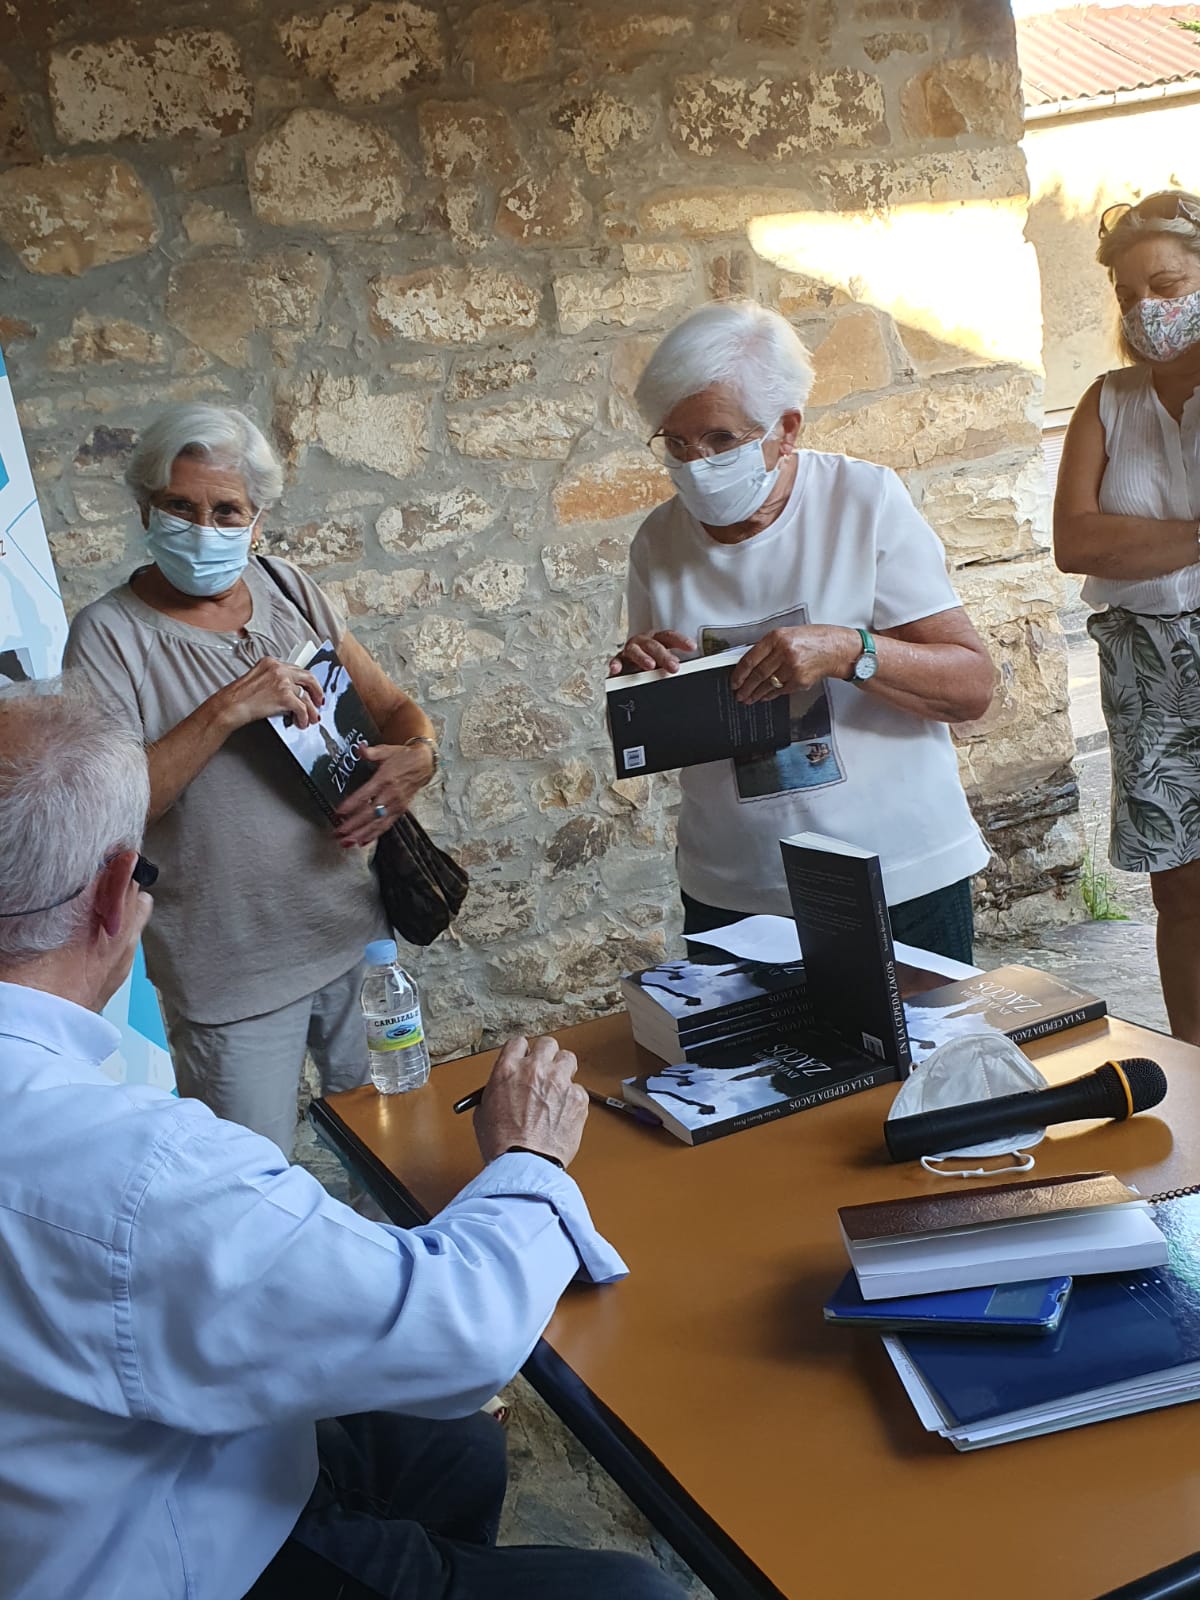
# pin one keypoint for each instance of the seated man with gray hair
(181, 1306)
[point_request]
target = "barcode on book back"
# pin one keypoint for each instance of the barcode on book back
(873, 1045)
(635, 757)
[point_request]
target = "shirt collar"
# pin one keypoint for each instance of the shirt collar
(57, 1025)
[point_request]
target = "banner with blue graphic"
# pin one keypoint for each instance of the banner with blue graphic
(33, 630)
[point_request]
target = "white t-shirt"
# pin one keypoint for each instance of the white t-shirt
(849, 548)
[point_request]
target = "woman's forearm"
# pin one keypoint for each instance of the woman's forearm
(1101, 545)
(177, 757)
(940, 682)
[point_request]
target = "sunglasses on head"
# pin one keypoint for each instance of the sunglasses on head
(144, 874)
(1166, 207)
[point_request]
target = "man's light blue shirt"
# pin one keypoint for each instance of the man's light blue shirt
(180, 1305)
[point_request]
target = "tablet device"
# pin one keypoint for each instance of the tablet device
(1034, 1308)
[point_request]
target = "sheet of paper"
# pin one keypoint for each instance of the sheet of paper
(774, 939)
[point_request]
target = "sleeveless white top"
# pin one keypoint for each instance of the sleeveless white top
(1153, 471)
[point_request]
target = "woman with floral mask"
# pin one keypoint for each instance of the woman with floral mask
(261, 912)
(823, 567)
(1126, 515)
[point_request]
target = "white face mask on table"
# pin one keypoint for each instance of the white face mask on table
(964, 1071)
(721, 490)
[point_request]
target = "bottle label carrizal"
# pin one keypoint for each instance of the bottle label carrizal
(400, 1032)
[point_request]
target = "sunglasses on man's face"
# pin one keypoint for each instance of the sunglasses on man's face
(144, 874)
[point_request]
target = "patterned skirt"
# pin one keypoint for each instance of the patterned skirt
(1150, 691)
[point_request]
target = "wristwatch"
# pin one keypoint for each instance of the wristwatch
(867, 664)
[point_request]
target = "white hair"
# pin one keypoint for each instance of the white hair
(736, 343)
(74, 791)
(219, 434)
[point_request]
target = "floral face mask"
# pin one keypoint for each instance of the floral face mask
(1160, 330)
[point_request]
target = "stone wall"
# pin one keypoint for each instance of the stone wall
(429, 246)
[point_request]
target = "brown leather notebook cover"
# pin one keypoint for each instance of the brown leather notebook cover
(978, 1208)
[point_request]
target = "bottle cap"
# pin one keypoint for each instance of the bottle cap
(380, 953)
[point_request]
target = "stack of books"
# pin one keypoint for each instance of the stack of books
(746, 1041)
(1120, 1335)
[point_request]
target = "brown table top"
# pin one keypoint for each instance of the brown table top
(796, 1438)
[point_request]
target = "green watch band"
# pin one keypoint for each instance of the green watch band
(867, 664)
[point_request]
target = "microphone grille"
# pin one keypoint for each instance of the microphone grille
(1147, 1081)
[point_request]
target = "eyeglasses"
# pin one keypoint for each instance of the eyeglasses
(144, 874)
(668, 447)
(1166, 207)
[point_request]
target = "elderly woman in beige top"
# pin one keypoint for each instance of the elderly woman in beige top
(1127, 514)
(262, 909)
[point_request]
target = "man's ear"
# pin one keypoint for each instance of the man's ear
(793, 427)
(111, 904)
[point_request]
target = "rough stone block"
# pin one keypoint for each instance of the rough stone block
(496, 911)
(493, 799)
(797, 295)
(641, 257)
(997, 173)
(386, 432)
(915, 427)
(315, 545)
(567, 787)
(601, 124)
(931, 356)
(803, 26)
(579, 841)
(441, 644)
(851, 358)
(507, 44)
(616, 299)
(105, 450)
(619, 485)
(977, 94)
(69, 216)
(615, 42)
(570, 568)
(462, 138)
(472, 380)
(186, 82)
(93, 545)
(367, 53)
(219, 300)
(988, 514)
(210, 226)
(17, 143)
(383, 594)
(511, 723)
(778, 119)
(492, 587)
(533, 429)
(706, 212)
(432, 521)
(321, 169)
(543, 211)
(96, 341)
(455, 305)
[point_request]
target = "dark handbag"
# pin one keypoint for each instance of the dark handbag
(422, 888)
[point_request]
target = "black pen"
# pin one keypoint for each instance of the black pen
(470, 1101)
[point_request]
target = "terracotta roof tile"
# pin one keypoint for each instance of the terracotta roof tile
(1090, 51)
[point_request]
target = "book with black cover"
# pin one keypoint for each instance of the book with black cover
(660, 720)
(1127, 1343)
(845, 932)
(327, 751)
(1019, 1001)
(731, 1086)
(679, 1006)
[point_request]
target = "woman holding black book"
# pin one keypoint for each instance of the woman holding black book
(821, 565)
(261, 910)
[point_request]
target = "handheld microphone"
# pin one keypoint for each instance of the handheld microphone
(1117, 1090)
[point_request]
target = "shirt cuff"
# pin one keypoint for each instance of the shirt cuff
(529, 1177)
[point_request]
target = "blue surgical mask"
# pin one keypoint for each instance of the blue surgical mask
(725, 489)
(196, 560)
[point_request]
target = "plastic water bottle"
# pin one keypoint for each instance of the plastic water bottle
(391, 1008)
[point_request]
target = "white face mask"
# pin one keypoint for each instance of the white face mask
(728, 488)
(976, 1066)
(196, 560)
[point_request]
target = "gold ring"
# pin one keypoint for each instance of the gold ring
(777, 682)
